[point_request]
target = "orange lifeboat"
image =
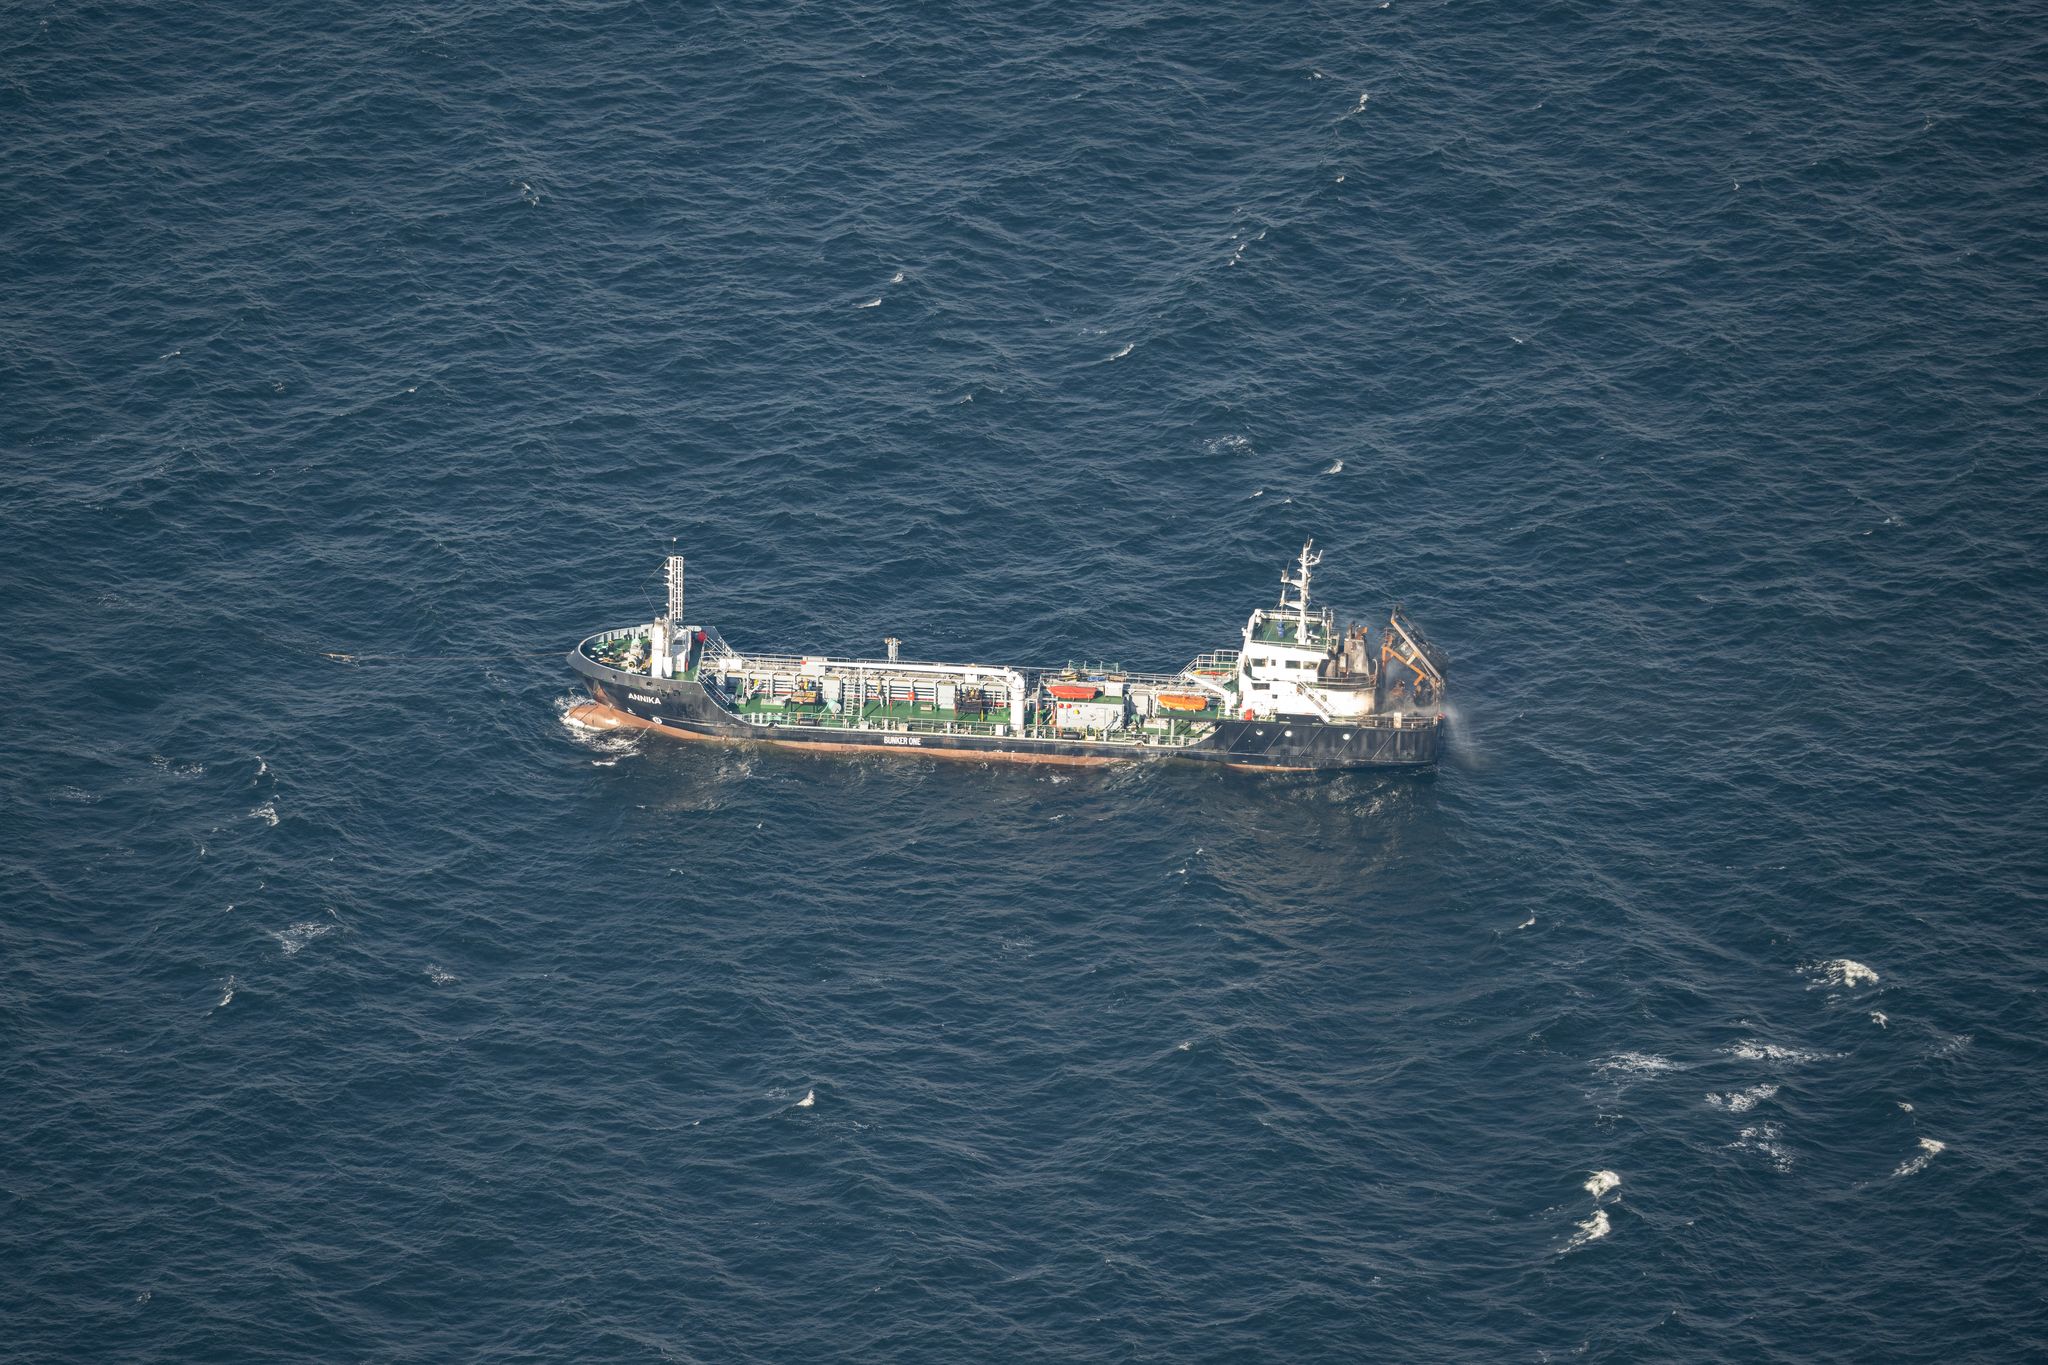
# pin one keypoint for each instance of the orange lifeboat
(1182, 701)
(1074, 691)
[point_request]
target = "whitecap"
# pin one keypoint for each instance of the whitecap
(1741, 1101)
(1763, 1139)
(1930, 1148)
(267, 813)
(1602, 1182)
(1840, 972)
(1751, 1050)
(1879, 1018)
(227, 993)
(896, 278)
(1360, 106)
(1592, 1230)
(1635, 1064)
(875, 302)
(297, 936)
(1128, 346)
(1336, 467)
(438, 975)
(1528, 923)
(810, 1098)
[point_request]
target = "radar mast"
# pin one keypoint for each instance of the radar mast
(1298, 581)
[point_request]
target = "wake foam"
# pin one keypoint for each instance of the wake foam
(613, 744)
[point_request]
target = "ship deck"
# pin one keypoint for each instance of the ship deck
(755, 689)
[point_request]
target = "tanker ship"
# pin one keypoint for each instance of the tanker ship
(1297, 693)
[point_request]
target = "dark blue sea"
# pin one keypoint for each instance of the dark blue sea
(1680, 368)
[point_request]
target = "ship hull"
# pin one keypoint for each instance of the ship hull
(684, 709)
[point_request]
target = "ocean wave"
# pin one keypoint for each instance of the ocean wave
(1635, 1065)
(1765, 1140)
(1953, 1045)
(1840, 972)
(1754, 1050)
(1741, 1101)
(267, 813)
(1930, 1148)
(1591, 1230)
(295, 937)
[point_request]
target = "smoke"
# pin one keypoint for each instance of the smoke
(1461, 738)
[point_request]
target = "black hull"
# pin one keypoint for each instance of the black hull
(684, 708)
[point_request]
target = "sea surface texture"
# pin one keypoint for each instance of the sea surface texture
(1680, 368)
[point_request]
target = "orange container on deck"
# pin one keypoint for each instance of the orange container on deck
(1074, 691)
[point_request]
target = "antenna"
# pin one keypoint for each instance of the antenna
(1299, 582)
